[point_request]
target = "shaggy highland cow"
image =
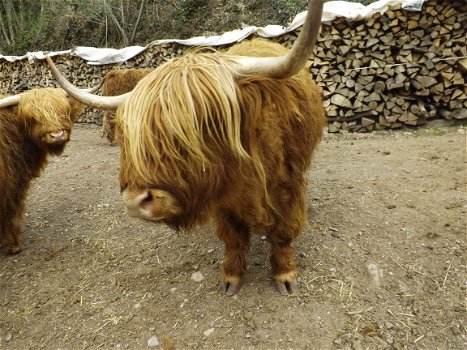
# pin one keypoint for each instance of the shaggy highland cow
(117, 82)
(33, 125)
(227, 136)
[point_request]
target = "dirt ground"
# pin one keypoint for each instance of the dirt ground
(382, 260)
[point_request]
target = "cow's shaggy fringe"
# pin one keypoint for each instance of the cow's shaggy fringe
(47, 106)
(186, 108)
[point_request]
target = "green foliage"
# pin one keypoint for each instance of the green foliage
(52, 25)
(190, 8)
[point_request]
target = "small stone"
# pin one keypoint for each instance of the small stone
(248, 315)
(338, 341)
(376, 273)
(248, 335)
(172, 290)
(356, 345)
(153, 341)
(197, 276)
(138, 306)
(8, 337)
(388, 325)
(208, 332)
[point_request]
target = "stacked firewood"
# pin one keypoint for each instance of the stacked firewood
(394, 69)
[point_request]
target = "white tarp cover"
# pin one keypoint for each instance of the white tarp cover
(333, 9)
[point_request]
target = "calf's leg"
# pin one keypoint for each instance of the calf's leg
(10, 237)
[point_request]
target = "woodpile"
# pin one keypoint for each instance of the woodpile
(394, 69)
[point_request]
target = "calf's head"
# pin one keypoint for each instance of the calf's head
(47, 115)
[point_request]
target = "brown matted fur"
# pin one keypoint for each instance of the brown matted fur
(117, 82)
(38, 126)
(198, 141)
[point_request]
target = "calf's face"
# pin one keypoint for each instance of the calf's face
(48, 114)
(52, 139)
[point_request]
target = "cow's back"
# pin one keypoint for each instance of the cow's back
(282, 123)
(120, 81)
(292, 109)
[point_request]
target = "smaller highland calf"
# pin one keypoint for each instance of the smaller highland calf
(33, 125)
(117, 82)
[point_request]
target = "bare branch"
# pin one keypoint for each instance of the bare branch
(138, 20)
(4, 30)
(116, 23)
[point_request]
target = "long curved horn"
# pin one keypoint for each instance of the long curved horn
(9, 101)
(106, 103)
(296, 58)
(14, 100)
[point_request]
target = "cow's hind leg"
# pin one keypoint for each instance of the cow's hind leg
(108, 127)
(289, 225)
(236, 237)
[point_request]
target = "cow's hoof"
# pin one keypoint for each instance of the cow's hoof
(286, 283)
(286, 288)
(231, 284)
(11, 250)
(231, 288)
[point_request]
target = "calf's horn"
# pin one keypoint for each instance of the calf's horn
(14, 100)
(9, 101)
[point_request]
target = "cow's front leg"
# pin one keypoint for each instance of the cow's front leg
(284, 267)
(10, 238)
(236, 237)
